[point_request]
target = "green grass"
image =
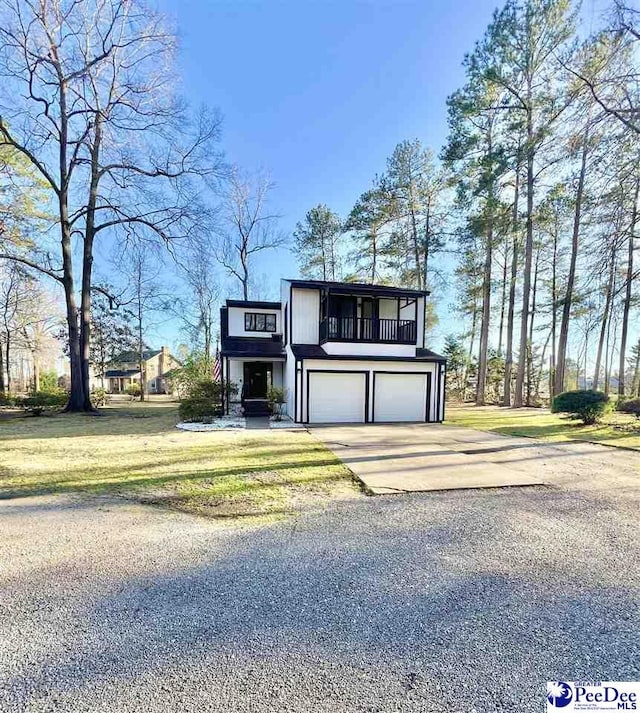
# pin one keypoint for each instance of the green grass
(136, 451)
(616, 430)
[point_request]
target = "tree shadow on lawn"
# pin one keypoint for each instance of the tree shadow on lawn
(574, 431)
(115, 422)
(123, 480)
(344, 598)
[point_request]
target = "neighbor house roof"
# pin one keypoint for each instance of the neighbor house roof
(315, 351)
(127, 357)
(120, 373)
(252, 347)
(360, 287)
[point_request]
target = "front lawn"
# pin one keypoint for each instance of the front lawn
(135, 450)
(616, 429)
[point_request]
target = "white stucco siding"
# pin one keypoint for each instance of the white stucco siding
(369, 349)
(236, 322)
(436, 400)
(305, 316)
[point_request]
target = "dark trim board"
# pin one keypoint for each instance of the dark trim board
(427, 409)
(341, 371)
(254, 304)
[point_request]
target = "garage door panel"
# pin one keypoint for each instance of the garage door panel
(337, 397)
(400, 397)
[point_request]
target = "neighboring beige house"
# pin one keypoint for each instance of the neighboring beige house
(125, 370)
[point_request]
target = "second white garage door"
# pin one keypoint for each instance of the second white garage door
(400, 397)
(337, 397)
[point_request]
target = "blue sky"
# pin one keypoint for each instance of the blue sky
(319, 92)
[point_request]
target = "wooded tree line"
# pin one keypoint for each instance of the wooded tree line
(536, 194)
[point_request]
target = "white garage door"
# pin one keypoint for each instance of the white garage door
(336, 397)
(400, 397)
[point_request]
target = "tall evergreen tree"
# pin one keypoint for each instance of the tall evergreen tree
(317, 244)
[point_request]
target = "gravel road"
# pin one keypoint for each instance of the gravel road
(459, 601)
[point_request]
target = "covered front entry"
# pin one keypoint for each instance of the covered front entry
(258, 377)
(248, 382)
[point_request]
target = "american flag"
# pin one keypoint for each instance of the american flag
(217, 367)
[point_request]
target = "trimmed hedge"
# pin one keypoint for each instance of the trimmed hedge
(587, 405)
(631, 406)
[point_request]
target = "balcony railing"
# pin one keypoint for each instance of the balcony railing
(368, 329)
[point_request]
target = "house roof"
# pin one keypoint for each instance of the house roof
(120, 373)
(315, 351)
(252, 347)
(133, 356)
(360, 287)
(254, 304)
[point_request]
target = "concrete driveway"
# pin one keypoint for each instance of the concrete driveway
(393, 458)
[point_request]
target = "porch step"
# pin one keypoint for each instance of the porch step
(256, 407)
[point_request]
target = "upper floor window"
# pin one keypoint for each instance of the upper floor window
(259, 322)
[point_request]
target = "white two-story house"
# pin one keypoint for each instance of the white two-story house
(343, 352)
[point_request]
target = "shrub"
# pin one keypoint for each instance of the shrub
(199, 410)
(276, 397)
(99, 397)
(586, 405)
(133, 390)
(205, 389)
(7, 399)
(631, 406)
(49, 381)
(39, 401)
(202, 401)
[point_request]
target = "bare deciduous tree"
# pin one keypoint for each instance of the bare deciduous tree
(86, 97)
(250, 227)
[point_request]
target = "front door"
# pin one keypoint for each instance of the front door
(257, 377)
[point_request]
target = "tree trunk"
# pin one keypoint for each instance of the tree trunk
(534, 294)
(87, 265)
(7, 360)
(554, 312)
(503, 298)
(635, 388)
(486, 316)
(474, 321)
(558, 381)
(427, 245)
(416, 249)
(628, 292)
(36, 370)
(508, 364)
(2, 379)
(528, 259)
(605, 319)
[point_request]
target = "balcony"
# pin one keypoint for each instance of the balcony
(368, 329)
